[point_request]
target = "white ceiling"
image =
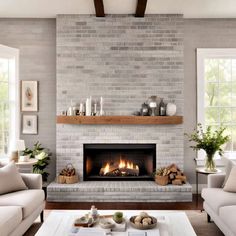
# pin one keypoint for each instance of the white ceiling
(50, 8)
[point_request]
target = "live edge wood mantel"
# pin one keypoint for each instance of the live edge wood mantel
(120, 120)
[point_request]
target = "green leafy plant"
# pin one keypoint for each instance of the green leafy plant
(43, 156)
(210, 141)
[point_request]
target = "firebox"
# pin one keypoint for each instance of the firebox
(119, 161)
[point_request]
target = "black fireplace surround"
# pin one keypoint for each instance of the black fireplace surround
(119, 161)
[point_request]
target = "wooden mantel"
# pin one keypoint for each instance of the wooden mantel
(120, 120)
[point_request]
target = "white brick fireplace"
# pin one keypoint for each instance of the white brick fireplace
(125, 60)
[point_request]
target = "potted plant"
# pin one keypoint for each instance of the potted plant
(210, 141)
(161, 176)
(118, 217)
(43, 157)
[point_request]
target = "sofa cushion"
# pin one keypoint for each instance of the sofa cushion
(217, 197)
(228, 216)
(10, 218)
(10, 179)
(230, 185)
(29, 200)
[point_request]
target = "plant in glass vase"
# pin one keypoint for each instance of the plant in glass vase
(210, 141)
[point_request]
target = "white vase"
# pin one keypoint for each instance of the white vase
(170, 109)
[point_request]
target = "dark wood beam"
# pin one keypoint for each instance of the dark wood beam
(141, 7)
(99, 8)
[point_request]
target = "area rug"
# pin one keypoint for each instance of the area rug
(198, 220)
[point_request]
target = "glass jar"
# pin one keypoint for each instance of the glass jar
(153, 107)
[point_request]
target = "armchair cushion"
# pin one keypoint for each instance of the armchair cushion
(230, 164)
(28, 200)
(230, 185)
(10, 179)
(215, 180)
(217, 198)
(32, 181)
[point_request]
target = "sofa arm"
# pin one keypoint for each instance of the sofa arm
(32, 181)
(215, 180)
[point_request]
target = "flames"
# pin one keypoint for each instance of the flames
(127, 164)
(123, 165)
(106, 169)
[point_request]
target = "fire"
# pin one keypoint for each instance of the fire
(127, 164)
(120, 168)
(106, 168)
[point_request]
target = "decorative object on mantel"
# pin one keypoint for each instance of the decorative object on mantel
(88, 110)
(102, 112)
(29, 95)
(162, 108)
(170, 175)
(156, 107)
(68, 175)
(210, 141)
(43, 156)
(153, 106)
(144, 110)
(29, 124)
(170, 109)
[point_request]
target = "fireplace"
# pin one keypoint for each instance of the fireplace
(119, 161)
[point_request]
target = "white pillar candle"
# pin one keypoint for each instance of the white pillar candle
(88, 107)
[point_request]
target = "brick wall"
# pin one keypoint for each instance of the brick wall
(125, 60)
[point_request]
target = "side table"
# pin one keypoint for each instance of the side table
(28, 163)
(203, 171)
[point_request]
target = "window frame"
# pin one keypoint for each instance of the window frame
(202, 54)
(14, 132)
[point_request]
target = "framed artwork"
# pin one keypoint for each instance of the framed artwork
(29, 124)
(29, 95)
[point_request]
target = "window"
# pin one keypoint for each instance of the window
(9, 101)
(216, 73)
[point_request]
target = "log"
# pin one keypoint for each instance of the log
(128, 171)
(176, 182)
(172, 176)
(116, 171)
(183, 178)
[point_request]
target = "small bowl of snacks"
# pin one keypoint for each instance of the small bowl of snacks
(106, 223)
(143, 221)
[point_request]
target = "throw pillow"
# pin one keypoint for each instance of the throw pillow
(230, 185)
(10, 179)
(229, 166)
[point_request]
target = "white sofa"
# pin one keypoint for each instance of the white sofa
(220, 205)
(18, 210)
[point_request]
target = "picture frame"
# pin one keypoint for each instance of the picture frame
(29, 95)
(29, 124)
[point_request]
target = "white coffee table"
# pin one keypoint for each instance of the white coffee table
(175, 223)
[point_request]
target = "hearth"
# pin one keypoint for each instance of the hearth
(119, 161)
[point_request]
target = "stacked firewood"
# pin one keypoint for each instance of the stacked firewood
(172, 175)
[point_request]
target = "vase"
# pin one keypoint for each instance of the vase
(210, 163)
(170, 109)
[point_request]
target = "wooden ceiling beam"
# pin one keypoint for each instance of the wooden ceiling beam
(141, 7)
(99, 8)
